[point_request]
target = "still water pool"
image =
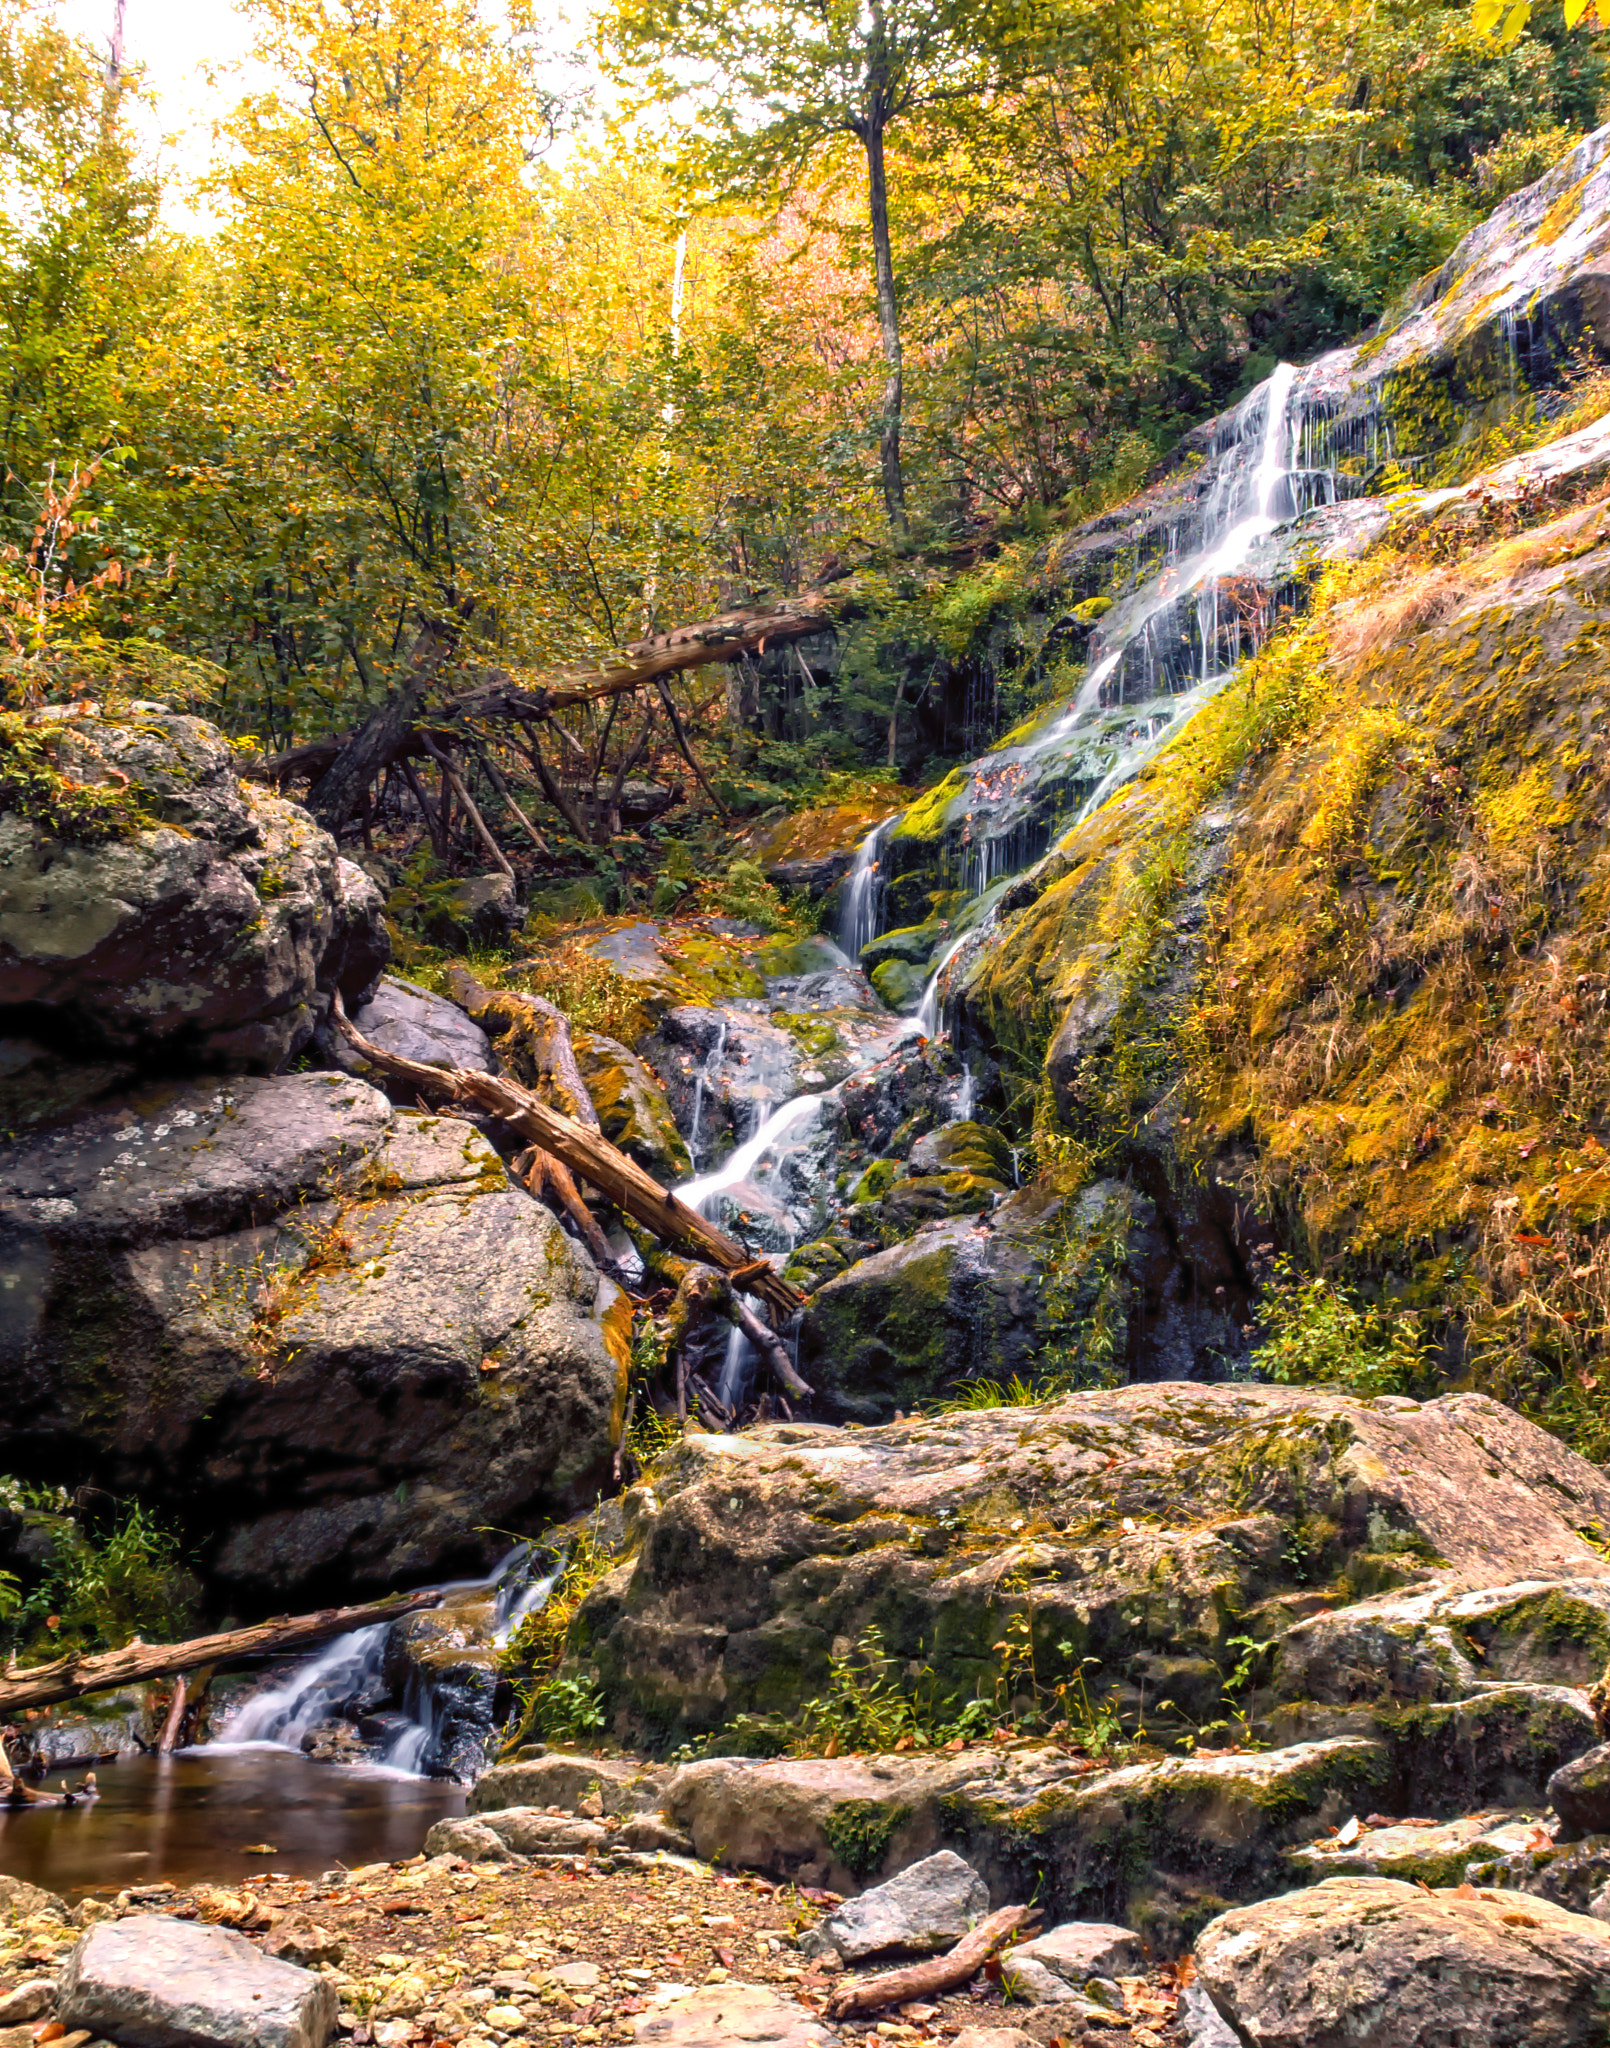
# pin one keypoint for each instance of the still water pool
(192, 1817)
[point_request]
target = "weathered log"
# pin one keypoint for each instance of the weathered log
(533, 1040)
(587, 1153)
(935, 1975)
(45, 1685)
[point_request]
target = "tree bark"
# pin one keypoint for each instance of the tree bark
(872, 134)
(587, 1153)
(334, 796)
(937, 1974)
(45, 1685)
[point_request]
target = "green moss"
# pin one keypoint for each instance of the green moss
(859, 1832)
(924, 822)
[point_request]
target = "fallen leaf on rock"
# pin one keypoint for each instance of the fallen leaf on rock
(1348, 1834)
(52, 2030)
(1464, 1891)
(260, 1849)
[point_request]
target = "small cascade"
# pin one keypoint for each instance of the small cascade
(739, 1165)
(709, 1072)
(347, 1681)
(863, 891)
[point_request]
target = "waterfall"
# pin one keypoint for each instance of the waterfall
(1165, 646)
(346, 1681)
(709, 1071)
(863, 889)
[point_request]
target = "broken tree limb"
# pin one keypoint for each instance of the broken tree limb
(44, 1685)
(495, 777)
(359, 756)
(587, 1153)
(936, 1974)
(533, 1041)
(170, 1727)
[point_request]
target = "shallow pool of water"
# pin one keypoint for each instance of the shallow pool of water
(192, 1817)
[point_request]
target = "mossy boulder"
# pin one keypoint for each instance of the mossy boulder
(1129, 1525)
(633, 1110)
(899, 985)
(212, 927)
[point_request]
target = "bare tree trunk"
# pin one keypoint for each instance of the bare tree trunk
(334, 797)
(894, 483)
(451, 779)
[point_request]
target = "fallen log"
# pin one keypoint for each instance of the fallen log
(389, 736)
(936, 1974)
(587, 1153)
(46, 1685)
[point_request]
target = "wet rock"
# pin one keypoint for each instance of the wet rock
(218, 929)
(158, 1983)
(292, 1290)
(403, 1018)
(1579, 1792)
(961, 1298)
(335, 1742)
(618, 1784)
(1363, 1962)
(724, 1071)
(442, 1665)
(929, 1906)
(482, 911)
(732, 2016)
(1153, 1840)
(632, 1107)
(471, 1839)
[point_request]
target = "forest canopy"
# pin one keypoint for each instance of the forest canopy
(470, 382)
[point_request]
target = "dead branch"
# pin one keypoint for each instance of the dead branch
(455, 782)
(549, 1179)
(935, 1975)
(45, 1685)
(586, 1152)
(495, 777)
(749, 630)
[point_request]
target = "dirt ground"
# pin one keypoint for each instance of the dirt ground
(550, 1955)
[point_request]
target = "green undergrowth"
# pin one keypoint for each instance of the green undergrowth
(110, 1572)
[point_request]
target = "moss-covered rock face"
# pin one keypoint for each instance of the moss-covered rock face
(328, 1334)
(1136, 1528)
(214, 927)
(632, 1107)
(1162, 1846)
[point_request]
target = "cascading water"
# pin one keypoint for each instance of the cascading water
(346, 1681)
(709, 1072)
(863, 888)
(1160, 650)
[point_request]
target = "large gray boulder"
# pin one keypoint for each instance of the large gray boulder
(331, 1331)
(151, 1982)
(1579, 1792)
(929, 1906)
(403, 1018)
(215, 929)
(1370, 1962)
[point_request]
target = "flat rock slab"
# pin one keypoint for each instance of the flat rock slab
(588, 1785)
(151, 1982)
(1439, 1855)
(529, 1832)
(928, 1907)
(1082, 1949)
(1369, 1962)
(732, 2016)
(1089, 1840)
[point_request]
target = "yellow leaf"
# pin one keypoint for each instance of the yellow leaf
(1574, 11)
(1516, 19)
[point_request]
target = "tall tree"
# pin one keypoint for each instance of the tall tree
(772, 91)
